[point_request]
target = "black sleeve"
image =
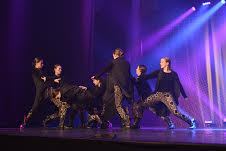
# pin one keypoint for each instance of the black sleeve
(180, 85)
(103, 84)
(106, 69)
(151, 75)
(50, 78)
(133, 80)
(92, 92)
(131, 88)
(36, 74)
(61, 81)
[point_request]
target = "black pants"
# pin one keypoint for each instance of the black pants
(76, 108)
(41, 94)
(39, 97)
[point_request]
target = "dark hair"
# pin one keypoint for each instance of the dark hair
(167, 59)
(57, 65)
(119, 52)
(143, 69)
(35, 61)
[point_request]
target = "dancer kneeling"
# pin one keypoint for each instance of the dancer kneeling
(91, 99)
(63, 97)
(96, 108)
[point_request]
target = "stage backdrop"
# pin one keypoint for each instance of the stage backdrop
(81, 35)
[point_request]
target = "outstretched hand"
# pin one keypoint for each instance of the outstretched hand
(57, 80)
(83, 87)
(43, 78)
(93, 77)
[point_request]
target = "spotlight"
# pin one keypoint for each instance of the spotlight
(223, 1)
(224, 122)
(206, 3)
(209, 124)
(193, 8)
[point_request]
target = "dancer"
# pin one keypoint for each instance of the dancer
(118, 84)
(144, 90)
(167, 91)
(63, 97)
(57, 82)
(96, 108)
(90, 98)
(40, 85)
(55, 97)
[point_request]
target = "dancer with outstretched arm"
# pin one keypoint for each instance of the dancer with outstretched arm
(118, 84)
(167, 90)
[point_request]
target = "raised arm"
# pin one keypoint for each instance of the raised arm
(152, 75)
(106, 69)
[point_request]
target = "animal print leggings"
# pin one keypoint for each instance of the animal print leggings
(168, 100)
(63, 106)
(136, 106)
(94, 117)
(118, 105)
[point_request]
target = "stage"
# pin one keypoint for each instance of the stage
(114, 138)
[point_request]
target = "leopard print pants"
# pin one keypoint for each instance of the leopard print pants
(63, 106)
(168, 100)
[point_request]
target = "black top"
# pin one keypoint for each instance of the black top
(142, 86)
(54, 84)
(97, 98)
(167, 82)
(36, 75)
(98, 91)
(144, 90)
(69, 91)
(119, 74)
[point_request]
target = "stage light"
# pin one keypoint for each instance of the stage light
(223, 1)
(159, 35)
(224, 122)
(209, 124)
(206, 3)
(193, 8)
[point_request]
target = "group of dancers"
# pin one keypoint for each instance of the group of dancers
(105, 98)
